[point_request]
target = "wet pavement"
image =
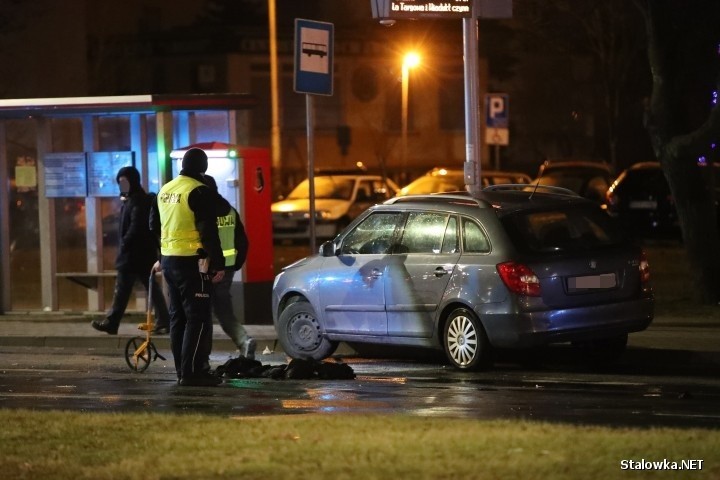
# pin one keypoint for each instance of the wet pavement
(669, 376)
(665, 341)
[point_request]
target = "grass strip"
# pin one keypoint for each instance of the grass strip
(69, 445)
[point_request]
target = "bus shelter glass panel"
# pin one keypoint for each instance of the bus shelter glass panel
(212, 127)
(70, 223)
(24, 258)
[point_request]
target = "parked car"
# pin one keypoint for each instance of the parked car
(508, 269)
(641, 200)
(441, 180)
(587, 178)
(338, 200)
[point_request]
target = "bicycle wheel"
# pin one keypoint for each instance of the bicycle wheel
(141, 361)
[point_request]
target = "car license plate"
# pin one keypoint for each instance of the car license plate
(605, 280)
(644, 204)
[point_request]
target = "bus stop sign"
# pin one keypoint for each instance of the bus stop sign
(313, 57)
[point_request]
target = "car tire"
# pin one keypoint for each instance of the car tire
(465, 341)
(300, 334)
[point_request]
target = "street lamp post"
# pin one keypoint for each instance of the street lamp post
(411, 60)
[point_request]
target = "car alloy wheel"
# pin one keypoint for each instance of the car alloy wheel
(465, 341)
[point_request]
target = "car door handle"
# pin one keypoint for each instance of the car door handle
(375, 273)
(440, 271)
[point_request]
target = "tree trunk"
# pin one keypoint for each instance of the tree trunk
(692, 189)
(680, 155)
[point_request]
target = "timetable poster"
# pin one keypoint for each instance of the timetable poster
(65, 175)
(102, 172)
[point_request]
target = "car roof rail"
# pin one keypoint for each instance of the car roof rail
(435, 197)
(529, 187)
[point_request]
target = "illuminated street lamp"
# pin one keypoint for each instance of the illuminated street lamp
(411, 60)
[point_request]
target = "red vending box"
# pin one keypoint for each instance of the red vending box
(243, 177)
(254, 208)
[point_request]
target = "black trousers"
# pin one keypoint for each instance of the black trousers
(190, 319)
(124, 284)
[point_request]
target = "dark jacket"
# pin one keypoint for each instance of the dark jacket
(241, 242)
(240, 238)
(137, 246)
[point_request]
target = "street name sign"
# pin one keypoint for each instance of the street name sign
(417, 9)
(409, 9)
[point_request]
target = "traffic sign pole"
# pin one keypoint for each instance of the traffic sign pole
(310, 119)
(472, 167)
(314, 47)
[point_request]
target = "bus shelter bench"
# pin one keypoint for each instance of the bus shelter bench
(88, 280)
(91, 280)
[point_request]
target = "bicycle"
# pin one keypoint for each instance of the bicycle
(140, 351)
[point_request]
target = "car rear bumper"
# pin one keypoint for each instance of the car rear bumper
(529, 329)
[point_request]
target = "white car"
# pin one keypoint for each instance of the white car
(441, 180)
(338, 200)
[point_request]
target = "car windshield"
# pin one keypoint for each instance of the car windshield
(575, 229)
(325, 187)
(434, 184)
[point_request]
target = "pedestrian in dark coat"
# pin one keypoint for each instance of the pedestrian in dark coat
(138, 250)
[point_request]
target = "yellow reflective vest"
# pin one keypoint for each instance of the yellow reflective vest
(226, 230)
(178, 234)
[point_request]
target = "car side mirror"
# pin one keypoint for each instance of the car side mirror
(328, 249)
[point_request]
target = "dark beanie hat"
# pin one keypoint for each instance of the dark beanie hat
(132, 175)
(195, 160)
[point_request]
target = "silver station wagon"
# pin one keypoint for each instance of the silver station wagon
(511, 268)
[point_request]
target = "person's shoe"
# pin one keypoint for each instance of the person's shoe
(248, 350)
(205, 380)
(161, 330)
(104, 326)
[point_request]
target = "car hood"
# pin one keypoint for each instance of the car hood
(335, 208)
(299, 263)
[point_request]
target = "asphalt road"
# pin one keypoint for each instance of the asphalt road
(560, 388)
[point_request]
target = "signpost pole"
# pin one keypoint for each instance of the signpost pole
(472, 167)
(310, 120)
(313, 76)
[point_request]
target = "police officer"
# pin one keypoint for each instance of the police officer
(234, 242)
(191, 258)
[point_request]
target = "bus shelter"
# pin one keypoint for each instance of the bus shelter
(59, 206)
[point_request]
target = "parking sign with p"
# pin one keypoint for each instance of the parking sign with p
(497, 113)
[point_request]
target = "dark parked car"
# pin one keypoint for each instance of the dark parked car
(441, 180)
(641, 200)
(508, 269)
(587, 178)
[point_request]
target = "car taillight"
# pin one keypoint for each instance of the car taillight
(644, 269)
(519, 279)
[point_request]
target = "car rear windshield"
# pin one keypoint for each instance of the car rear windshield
(576, 228)
(644, 180)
